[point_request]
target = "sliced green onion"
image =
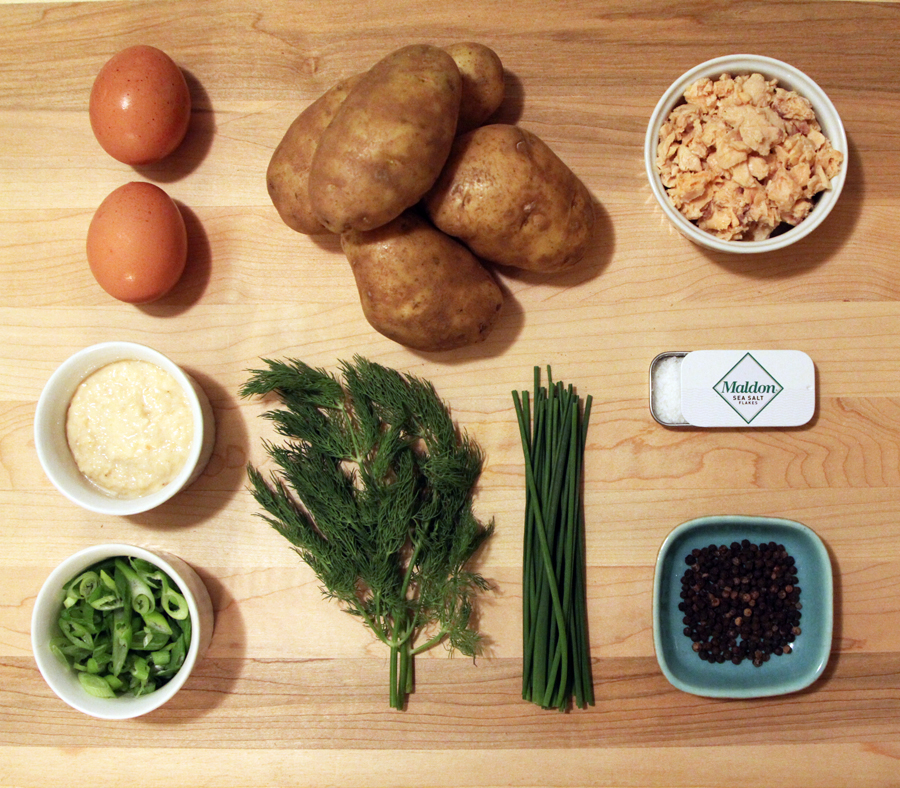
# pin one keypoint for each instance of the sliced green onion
(148, 640)
(142, 598)
(96, 685)
(85, 584)
(156, 622)
(143, 689)
(172, 601)
(176, 656)
(140, 669)
(103, 598)
(77, 633)
(121, 639)
(117, 628)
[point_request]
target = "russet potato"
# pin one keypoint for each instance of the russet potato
(483, 87)
(512, 201)
(388, 141)
(287, 178)
(425, 197)
(421, 288)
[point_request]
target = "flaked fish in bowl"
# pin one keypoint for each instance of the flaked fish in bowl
(745, 154)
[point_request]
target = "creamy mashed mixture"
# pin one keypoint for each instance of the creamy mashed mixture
(743, 155)
(129, 428)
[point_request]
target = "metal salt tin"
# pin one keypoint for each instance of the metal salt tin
(737, 388)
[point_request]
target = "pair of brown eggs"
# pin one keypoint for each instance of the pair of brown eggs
(140, 107)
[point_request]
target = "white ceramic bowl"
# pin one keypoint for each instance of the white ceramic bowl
(53, 448)
(788, 77)
(63, 680)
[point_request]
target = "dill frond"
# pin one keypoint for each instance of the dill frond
(373, 489)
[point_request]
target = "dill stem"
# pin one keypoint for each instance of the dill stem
(393, 671)
(410, 567)
(442, 633)
(404, 674)
(400, 666)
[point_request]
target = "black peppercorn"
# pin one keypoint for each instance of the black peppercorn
(740, 602)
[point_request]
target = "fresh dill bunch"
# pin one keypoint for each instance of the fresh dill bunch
(373, 489)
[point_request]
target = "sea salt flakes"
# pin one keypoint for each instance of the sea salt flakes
(666, 390)
(733, 388)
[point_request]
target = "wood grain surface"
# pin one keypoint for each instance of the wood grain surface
(292, 690)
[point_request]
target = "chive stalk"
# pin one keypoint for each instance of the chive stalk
(556, 651)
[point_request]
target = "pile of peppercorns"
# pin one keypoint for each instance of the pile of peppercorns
(740, 602)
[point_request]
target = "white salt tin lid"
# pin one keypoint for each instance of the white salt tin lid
(733, 388)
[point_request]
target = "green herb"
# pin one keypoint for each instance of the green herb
(374, 491)
(556, 650)
(117, 614)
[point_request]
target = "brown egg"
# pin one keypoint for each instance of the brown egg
(137, 243)
(140, 105)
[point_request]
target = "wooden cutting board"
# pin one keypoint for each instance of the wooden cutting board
(292, 690)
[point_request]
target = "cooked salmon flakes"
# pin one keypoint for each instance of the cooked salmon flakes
(743, 155)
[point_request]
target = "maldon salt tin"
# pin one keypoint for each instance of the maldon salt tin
(733, 388)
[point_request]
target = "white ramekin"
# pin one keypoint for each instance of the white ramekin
(63, 680)
(50, 429)
(788, 77)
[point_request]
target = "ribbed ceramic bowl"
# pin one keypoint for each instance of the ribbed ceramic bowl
(781, 674)
(50, 429)
(63, 680)
(788, 77)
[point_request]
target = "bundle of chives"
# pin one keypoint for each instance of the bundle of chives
(555, 641)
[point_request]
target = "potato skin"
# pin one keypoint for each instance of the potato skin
(512, 201)
(483, 87)
(421, 288)
(287, 177)
(388, 141)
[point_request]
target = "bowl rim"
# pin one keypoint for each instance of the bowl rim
(49, 598)
(827, 579)
(50, 417)
(787, 75)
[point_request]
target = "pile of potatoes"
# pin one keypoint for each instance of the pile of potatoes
(397, 162)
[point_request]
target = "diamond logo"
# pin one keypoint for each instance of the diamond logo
(748, 388)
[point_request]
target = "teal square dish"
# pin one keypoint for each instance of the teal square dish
(781, 674)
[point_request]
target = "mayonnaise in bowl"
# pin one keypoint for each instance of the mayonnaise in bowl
(129, 428)
(120, 428)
